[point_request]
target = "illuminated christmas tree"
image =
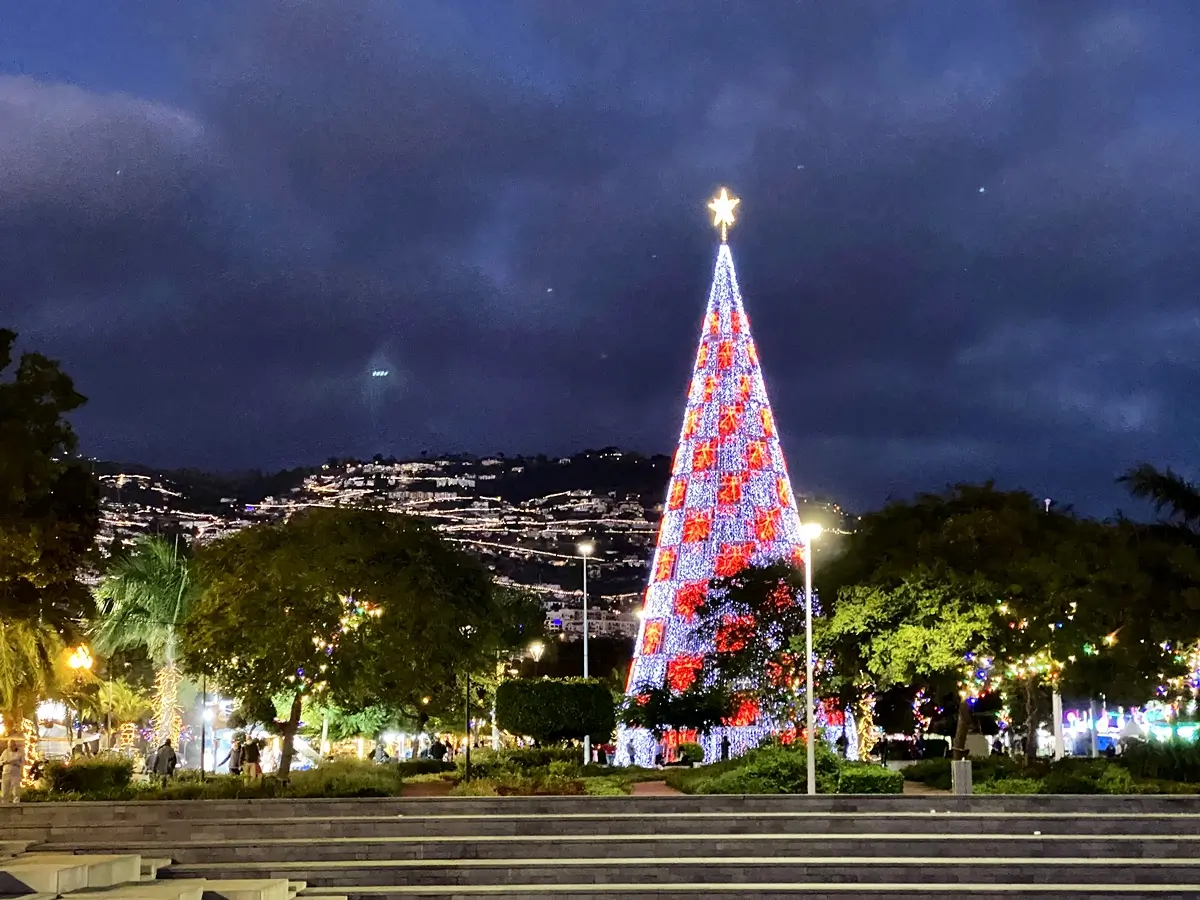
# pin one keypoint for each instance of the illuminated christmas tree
(729, 505)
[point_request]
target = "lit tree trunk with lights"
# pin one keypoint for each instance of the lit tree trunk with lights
(143, 598)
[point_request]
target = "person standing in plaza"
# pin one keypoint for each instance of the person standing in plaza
(12, 766)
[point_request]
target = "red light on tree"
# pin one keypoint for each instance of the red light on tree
(734, 633)
(682, 672)
(689, 598)
(664, 567)
(697, 526)
(733, 558)
(766, 524)
(652, 636)
(704, 455)
(730, 491)
(725, 355)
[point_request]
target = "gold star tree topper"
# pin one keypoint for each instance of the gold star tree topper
(722, 207)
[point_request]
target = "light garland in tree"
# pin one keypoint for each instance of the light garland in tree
(168, 717)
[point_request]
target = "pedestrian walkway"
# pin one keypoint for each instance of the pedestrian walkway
(652, 789)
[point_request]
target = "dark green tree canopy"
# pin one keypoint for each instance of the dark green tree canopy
(49, 511)
(354, 607)
(551, 710)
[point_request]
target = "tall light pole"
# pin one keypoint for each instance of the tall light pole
(586, 549)
(810, 532)
(467, 631)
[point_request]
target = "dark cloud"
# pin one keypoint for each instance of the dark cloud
(967, 242)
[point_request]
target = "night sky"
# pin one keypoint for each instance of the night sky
(969, 236)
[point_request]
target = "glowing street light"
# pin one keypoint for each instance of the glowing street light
(80, 659)
(809, 532)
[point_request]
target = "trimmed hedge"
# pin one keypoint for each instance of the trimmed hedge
(551, 710)
(776, 769)
(1073, 775)
(100, 775)
(866, 778)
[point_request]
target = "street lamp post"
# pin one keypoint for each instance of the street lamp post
(80, 661)
(467, 631)
(536, 649)
(586, 548)
(811, 532)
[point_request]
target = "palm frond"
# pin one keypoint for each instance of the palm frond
(143, 598)
(29, 656)
(1169, 492)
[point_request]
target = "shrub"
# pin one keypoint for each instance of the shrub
(771, 769)
(866, 778)
(107, 774)
(1010, 786)
(407, 767)
(607, 786)
(349, 778)
(691, 753)
(556, 709)
(476, 787)
(1070, 780)
(1176, 759)
(523, 760)
(933, 772)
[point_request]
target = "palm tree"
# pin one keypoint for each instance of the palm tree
(1169, 492)
(30, 653)
(120, 701)
(142, 600)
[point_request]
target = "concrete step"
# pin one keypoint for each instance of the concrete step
(46, 814)
(101, 870)
(246, 889)
(659, 845)
(10, 849)
(347, 876)
(22, 876)
(804, 822)
(151, 864)
(175, 889)
(768, 891)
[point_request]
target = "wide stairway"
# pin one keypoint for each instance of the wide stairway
(609, 847)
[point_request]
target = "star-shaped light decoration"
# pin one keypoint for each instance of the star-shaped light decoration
(722, 207)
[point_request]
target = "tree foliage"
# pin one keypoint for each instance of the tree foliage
(354, 607)
(30, 667)
(700, 708)
(977, 590)
(552, 710)
(143, 598)
(1169, 492)
(49, 511)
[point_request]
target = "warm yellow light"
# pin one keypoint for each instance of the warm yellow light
(722, 207)
(81, 658)
(586, 548)
(810, 531)
(536, 649)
